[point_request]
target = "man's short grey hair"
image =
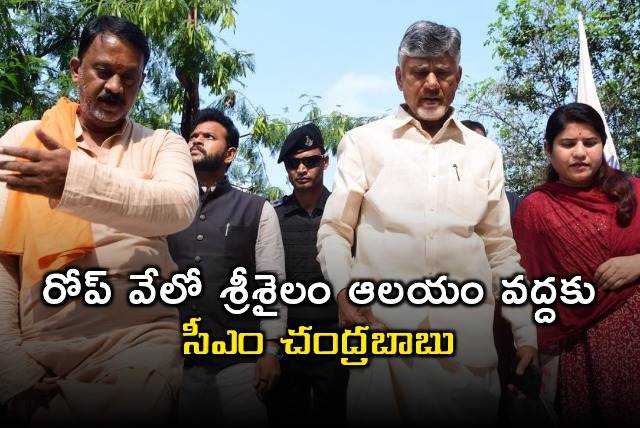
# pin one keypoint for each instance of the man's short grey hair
(427, 39)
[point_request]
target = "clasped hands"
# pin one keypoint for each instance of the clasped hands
(617, 272)
(267, 373)
(42, 172)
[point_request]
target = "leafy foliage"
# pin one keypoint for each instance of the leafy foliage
(42, 36)
(269, 131)
(189, 60)
(38, 40)
(186, 54)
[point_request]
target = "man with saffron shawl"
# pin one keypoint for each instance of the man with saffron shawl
(584, 221)
(87, 187)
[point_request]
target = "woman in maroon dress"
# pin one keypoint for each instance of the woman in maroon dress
(584, 221)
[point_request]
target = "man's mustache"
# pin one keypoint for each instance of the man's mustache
(111, 98)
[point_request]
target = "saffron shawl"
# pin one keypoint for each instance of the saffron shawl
(564, 231)
(46, 239)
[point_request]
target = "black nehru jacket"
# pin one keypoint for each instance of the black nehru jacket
(299, 236)
(222, 237)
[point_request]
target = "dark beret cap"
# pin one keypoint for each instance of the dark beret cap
(301, 139)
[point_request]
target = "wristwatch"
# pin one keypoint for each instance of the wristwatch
(276, 351)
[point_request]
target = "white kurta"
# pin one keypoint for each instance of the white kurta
(418, 207)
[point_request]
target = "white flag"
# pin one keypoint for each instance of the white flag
(587, 94)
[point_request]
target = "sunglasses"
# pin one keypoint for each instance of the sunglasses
(309, 162)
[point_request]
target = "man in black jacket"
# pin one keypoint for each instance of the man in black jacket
(232, 229)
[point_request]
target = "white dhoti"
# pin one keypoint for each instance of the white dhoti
(421, 390)
(417, 390)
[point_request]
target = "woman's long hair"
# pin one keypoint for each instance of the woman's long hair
(615, 184)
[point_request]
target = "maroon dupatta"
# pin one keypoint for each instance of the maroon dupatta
(564, 231)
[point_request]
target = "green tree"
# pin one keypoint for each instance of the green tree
(186, 59)
(269, 131)
(38, 41)
(185, 39)
(537, 44)
(189, 61)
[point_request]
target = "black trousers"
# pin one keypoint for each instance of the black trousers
(312, 392)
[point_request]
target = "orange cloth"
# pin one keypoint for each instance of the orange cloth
(46, 239)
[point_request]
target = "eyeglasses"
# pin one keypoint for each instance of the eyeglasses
(309, 162)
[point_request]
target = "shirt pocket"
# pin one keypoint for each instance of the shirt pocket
(467, 196)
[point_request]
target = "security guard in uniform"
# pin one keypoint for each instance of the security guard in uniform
(290, 403)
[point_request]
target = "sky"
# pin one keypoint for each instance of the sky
(345, 52)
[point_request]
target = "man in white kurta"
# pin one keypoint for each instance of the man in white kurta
(421, 195)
